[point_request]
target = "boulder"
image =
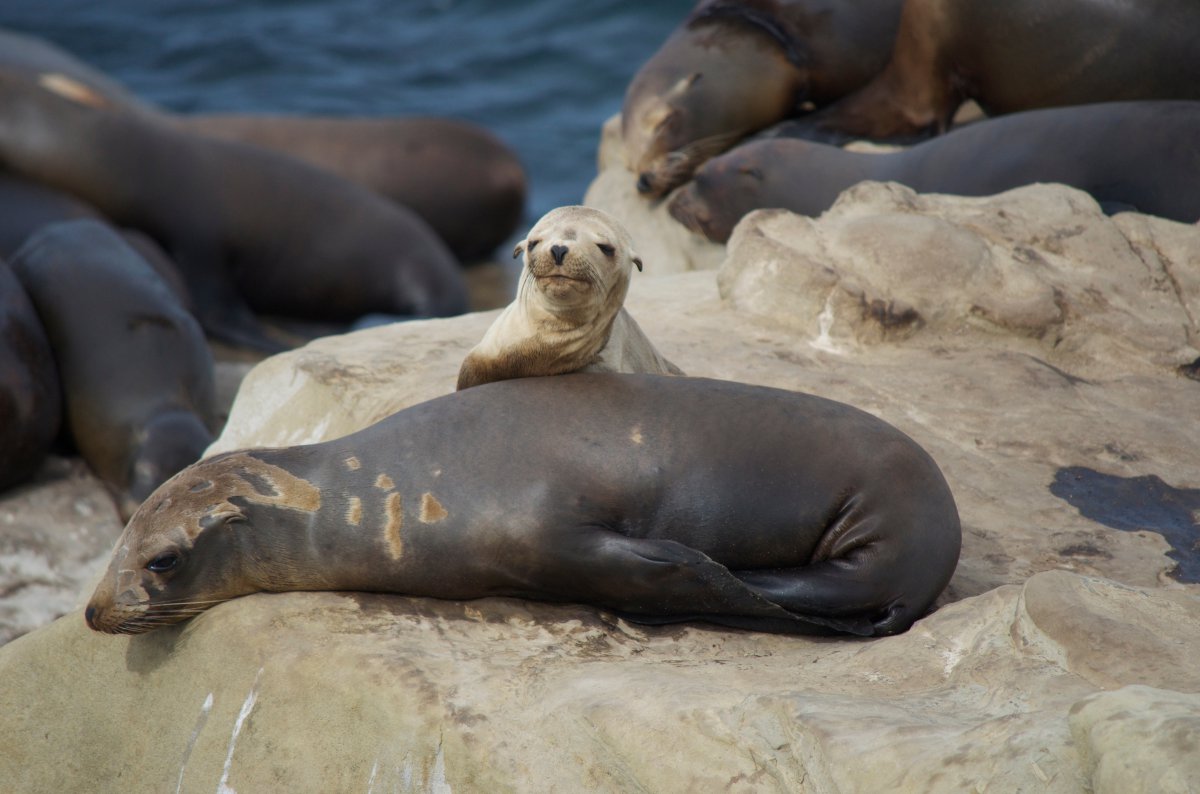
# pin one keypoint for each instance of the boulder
(1043, 362)
(343, 692)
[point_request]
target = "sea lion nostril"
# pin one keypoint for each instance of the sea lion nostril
(89, 615)
(558, 252)
(643, 183)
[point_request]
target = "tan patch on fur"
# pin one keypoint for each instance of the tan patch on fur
(72, 89)
(384, 483)
(235, 475)
(353, 463)
(354, 511)
(395, 520)
(636, 435)
(431, 509)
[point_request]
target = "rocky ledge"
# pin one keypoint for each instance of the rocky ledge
(1040, 351)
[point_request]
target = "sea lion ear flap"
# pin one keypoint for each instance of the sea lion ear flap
(520, 248)
(637, 260)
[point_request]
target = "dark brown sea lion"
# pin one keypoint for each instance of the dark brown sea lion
(666, 499)
(467, 184)
(733, 68)
(1128, 155)
(569, 313)
(136, 371)
(1016, 55)
(240, 221)
(460, 178)
(26, 206)
(30, 396)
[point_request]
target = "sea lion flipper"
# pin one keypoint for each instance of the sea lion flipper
(662, 581)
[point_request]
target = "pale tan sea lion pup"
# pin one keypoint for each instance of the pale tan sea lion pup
(568, 314)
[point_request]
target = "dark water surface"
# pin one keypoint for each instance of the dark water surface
(542, 75)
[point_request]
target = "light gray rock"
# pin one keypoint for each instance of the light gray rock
(345, 692)
(1139, 739)
(1039, 263)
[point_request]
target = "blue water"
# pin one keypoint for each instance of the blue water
(543, 75)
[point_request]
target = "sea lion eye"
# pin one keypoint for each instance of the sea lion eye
(532, 245)
(606, 249)
(167, 561)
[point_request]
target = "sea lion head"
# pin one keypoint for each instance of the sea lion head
(193, 544)
(714, 81)
(576, 259)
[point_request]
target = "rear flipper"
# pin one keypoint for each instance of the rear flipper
(836, 589)
(662, 581)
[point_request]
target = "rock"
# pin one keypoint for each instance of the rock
(56, 535)
(1138, 739)
(1040, 263)
(1039, 363)
(340, 692)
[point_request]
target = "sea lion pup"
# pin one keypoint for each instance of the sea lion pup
(1128, 155)
(664, 499)
(1011, 56)
(249, 228)
(30, 396)
(734, 67)
(568, 315)
(136, 370)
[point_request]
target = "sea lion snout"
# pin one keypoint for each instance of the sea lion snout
(558, 252)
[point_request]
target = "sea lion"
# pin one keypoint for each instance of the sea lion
(569, 314)
(30, 396)
(664, 499)
(735, 67)
(27, 206)
(135, 368)
(1128, 155)
(1013, 56)
(245, 225)
(461, 179)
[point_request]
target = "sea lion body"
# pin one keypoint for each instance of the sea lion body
(1128, 155)
(665, 499)
(460, 178)
(568, 315)
(733, 68)
(240, 221)
(136, 370)
(27, 206)
(1013, 56)
(30, 396)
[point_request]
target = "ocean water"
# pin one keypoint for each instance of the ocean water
(543, 75)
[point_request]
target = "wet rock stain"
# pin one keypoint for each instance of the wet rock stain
(1135, 504)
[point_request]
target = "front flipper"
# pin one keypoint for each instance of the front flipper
(663, 581)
